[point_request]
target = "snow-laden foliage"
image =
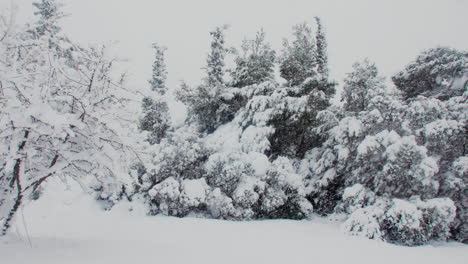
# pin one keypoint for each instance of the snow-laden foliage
(285, 193)
(370, 158)
(395, 166)
(379, 146)
(63, 114)
(215, 60)
(159, 76)
(440, 73)
(411, 223)
(322, 55)
(361, 86)
(298, 59)
(156, 119)
(256, 62)
(354, 198)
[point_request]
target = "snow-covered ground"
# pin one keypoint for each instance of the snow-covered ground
(68, 227)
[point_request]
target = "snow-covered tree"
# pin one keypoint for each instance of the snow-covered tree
(159, 76)
(49, 13)
(210, 107)
(215, 60)
(439, 72)
(361, 86)
(322, 55)
(156, 119)
(63, 114)
(299, 59)
(212, 103)
(255, 64)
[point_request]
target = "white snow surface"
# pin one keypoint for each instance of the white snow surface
(69, 227)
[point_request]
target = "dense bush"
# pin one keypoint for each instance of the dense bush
(410, 223)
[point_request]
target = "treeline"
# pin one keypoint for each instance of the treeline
(392, 159)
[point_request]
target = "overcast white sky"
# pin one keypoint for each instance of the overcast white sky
(391, 33)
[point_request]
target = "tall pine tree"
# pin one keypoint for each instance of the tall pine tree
(215, 61)
(156, 119)
(321, 42)
(298, 61)
(158, 80)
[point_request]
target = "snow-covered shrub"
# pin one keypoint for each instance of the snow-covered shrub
(416, 222)
(445, 139)
(395, 166)
(366, 222)
(193, 193)
(423, 110)
(178, 197)
(410, 223)
(221, 206)
(164, 197)
(354, 198)
(225, 170)
(403, 223)
(408, 171)
(248, 192)
(454, 185)
(284, 196)
(326, 167)
(181, 155)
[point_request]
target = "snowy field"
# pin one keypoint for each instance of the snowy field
(68, 227)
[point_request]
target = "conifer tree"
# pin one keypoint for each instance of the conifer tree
(321, 42)
(440, 72)
(361, 85)
(156, 119)
(158, 80)
(298, 61)
(49, 13)
(256, 64)
(215, 60)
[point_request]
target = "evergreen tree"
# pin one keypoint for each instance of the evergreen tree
(49, 13)
(256, 64)
(156, 119)
(322, 57)
(299, 60)
(360, 86)
(158, 80)
(440, 73)
(215, 60)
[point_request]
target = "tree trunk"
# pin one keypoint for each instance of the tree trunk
(16, 180)
(7, 223)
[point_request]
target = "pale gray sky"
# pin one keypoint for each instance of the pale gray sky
(391, 33)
